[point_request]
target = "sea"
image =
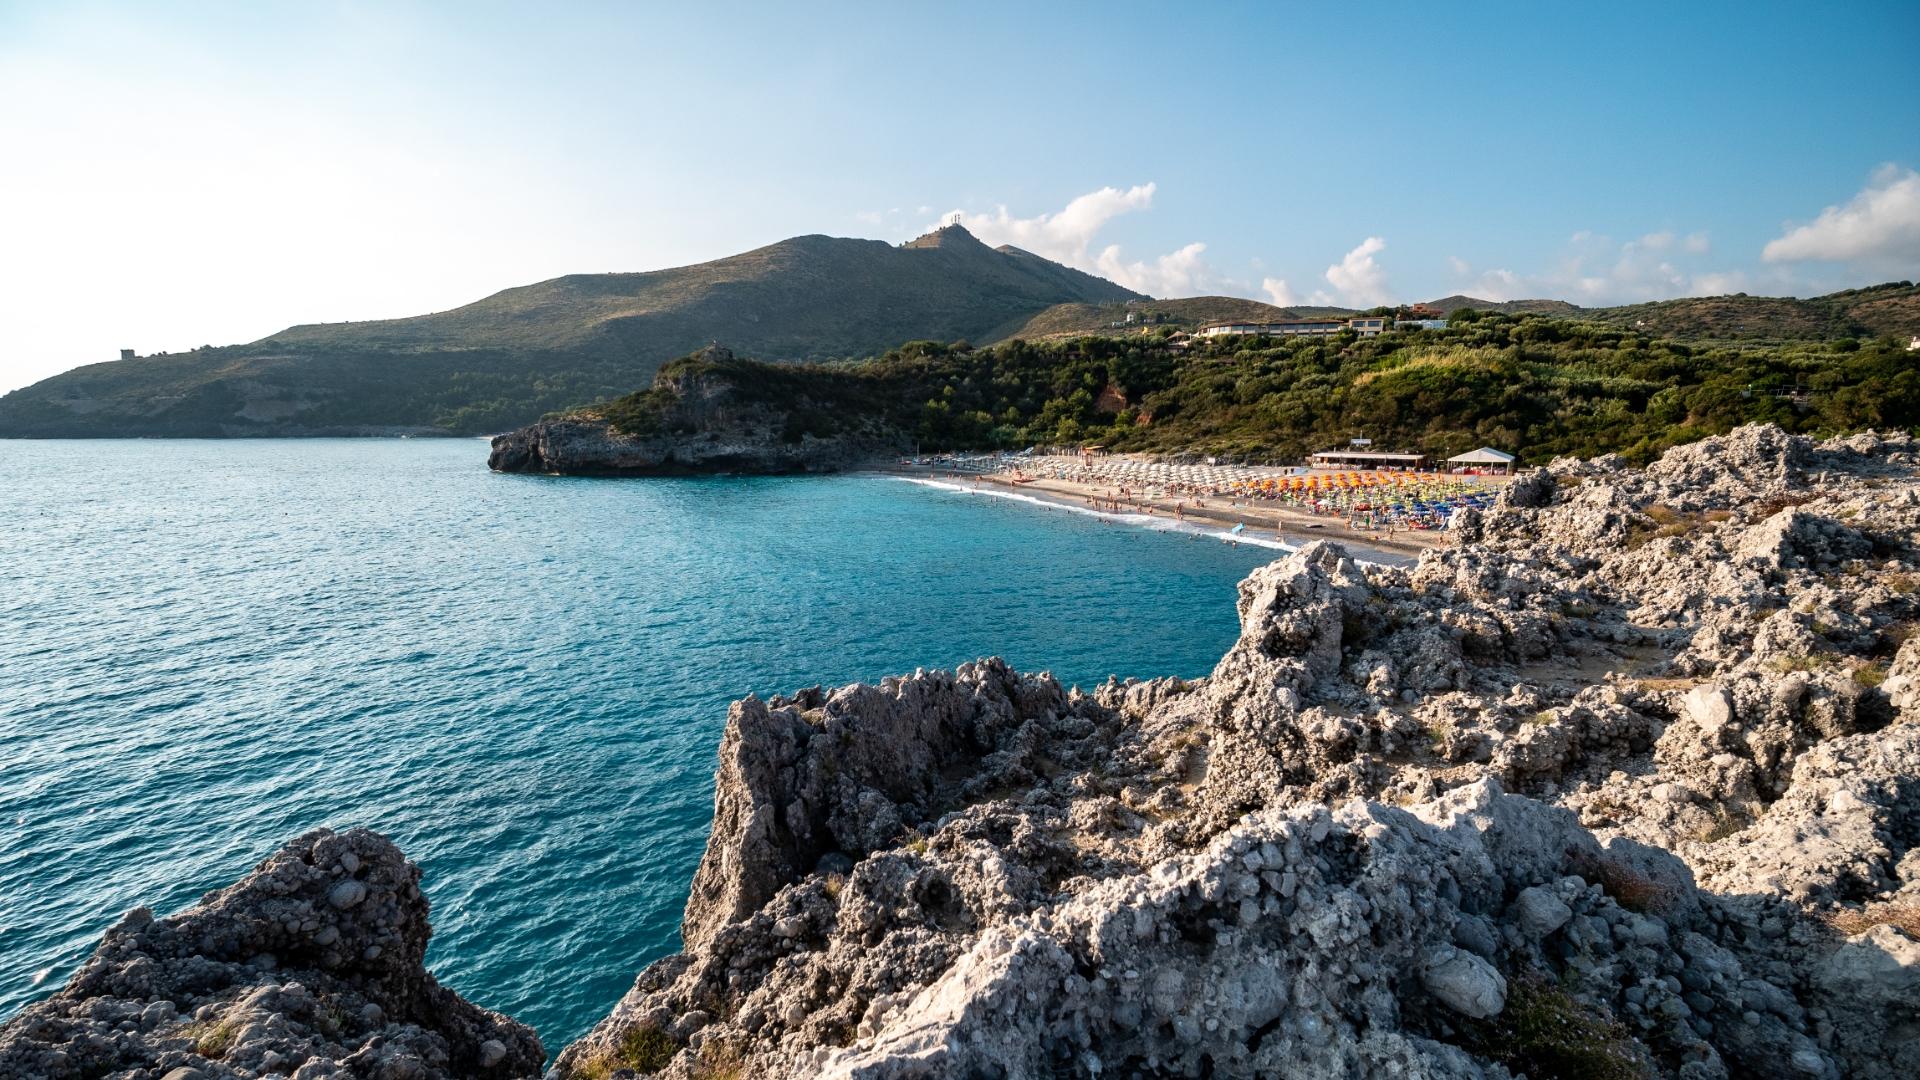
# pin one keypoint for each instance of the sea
(210, 647)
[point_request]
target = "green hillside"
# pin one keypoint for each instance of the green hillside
(502, 361)
(1535, 385)
(1188, 313)
(1448, 305)
(1893, 308)
(1185, 313)
(505, 360)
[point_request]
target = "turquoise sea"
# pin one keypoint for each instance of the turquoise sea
(207, 648)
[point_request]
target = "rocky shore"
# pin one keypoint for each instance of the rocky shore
(701, 416)
(313, 967)
(1624, 783)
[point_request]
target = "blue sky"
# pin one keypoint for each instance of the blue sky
(179, 174)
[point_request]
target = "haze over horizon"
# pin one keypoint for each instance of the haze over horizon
(211, 173)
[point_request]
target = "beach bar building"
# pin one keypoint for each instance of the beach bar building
(1352, 458)
(1485, 459)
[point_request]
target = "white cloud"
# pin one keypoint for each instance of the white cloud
(1595, 270)
(1879, 226)
(1498, 286)
(1279, 294)
(1719, 283)
(1179, 273)
(1459, 265)
(1359, 279)
(1068, 237)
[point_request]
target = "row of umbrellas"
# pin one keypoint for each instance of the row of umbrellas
(1422, 500)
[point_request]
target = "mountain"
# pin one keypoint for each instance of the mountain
(1074, 319)
(1892, 308)
(1185, 313)
(1450, 304)
(505, 360)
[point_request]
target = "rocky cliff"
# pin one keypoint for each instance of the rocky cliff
(1625, 783)
(311, 967)
(707, 413)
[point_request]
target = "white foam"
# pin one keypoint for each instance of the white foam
(1142, 521)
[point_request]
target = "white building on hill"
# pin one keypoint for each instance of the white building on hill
(1364, 325)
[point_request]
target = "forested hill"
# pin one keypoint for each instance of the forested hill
(1893, 308)
(1535, 385)
(505, 360)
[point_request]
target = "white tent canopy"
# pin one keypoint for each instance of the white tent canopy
(1486, 455)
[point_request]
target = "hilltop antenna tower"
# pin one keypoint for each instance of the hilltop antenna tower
(952, 219)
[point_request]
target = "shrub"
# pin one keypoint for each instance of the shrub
(1630, 888)
(643, 1048)
(212, 1039)
(1773, 504)
(1787, 665)
(1725, 824)
(1549, 1034)
(1902, 916)
(720, 1061)
(1666, 521)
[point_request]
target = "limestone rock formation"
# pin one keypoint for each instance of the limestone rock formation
(702, 415)
(311, 967)
(1622, 783)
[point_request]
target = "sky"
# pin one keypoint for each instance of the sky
(173, 175)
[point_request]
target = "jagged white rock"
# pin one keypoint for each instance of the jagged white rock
(1148, 881)
(313, 967)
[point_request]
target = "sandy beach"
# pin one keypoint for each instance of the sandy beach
(1266, 522)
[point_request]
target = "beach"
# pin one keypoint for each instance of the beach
(1205, 504)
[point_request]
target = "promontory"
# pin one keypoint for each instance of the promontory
(706, 413)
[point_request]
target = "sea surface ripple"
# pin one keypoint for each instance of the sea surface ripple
(207, 648)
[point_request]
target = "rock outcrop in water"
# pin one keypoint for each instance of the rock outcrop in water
(1624, 783)
(707, 413)
(311, 967)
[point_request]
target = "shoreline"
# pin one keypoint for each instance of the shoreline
(1277, 527)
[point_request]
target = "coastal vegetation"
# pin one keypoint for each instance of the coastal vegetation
(1546, 1032)
(1535, 385)
(504, 360)
(1890, 308)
